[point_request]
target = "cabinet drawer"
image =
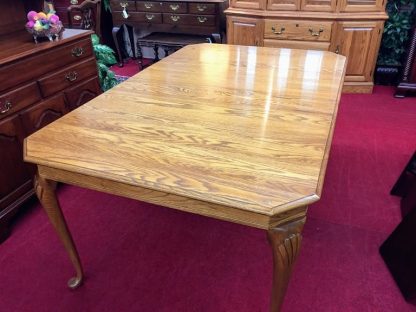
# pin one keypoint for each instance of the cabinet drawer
(67, 77)
(174, 7)
(149, 6)
(17, 99)
(189, 19)
(298, 30)
(43, 113)
(118, 5)
(138, 17)
(44, 63)
(201, 8)
(293, 44)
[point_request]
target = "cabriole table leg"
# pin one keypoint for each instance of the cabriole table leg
(45, 190)
(285, 240)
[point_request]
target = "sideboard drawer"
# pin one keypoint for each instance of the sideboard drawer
(138, 17)
(19, 98)
(295, 44)
(202, 8)
(174, 7)
(149, 6)
(43, 63)
(189, 19)
(298, 30)
(67, 77)
(118, 5)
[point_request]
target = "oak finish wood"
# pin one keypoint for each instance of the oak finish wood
(246, 142)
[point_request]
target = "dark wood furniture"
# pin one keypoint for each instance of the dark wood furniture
(167, 42)
(193, 17)
(90, 13)
(399, 250)
(408, 81)
(61, 8)
(39, 83)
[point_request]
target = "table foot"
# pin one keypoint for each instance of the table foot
(45, 190)
(285, 240)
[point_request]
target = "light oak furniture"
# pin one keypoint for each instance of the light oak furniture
(39, 83)
(192, 17)
(349, 27)
(247, 142)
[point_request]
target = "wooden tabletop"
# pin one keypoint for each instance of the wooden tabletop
(244, 127)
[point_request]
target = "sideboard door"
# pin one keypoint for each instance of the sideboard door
(319, 5)
(244, 31)
(359, 42)
(362, 5)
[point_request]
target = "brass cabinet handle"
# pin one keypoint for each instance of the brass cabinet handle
(125, 14)
(77, 51)
(148, 5)
(7, 107)
(174, 7)
(71, 76)
(316, 33)
(77, 17)
(149, 17)
(175, 18)
(202, 19)
(201, 7)
(282, 29)
(74, 1)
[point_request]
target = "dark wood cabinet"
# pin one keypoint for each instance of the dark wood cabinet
(408, 81)
(40, 83)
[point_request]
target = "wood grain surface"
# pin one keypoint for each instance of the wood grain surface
(244, 127)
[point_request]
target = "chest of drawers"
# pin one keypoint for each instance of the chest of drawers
(40, 83)
(180, 17)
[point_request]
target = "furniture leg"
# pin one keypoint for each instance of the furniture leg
(115, 32)
(156, 49)
(139, 57)
(4, 231)
(285, 240)
(130, 30)
(216, 37)
(45, 190)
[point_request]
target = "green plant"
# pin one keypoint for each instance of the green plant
(105, 58)
(396, 31)
(106, 4)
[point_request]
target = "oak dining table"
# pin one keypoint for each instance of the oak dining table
(237, 133)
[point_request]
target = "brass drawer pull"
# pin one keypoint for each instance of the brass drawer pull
(71, 76)
(175, 18)
(174, 7)
(149, 17)
(282, 29)
(316, 33)
(77, 17)
(148, 5)
(77, 51)
(201, 7)
(7, 107)
(202, 19)
(125, 14)
(74, 1)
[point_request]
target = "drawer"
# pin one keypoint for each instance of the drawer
(138, 17)
(202, 8)
(118, 5)
(174, 7)
(19, 98)
(297, 30)
(189, 19)
(67, 77)
(293, 44)
(149, 6)
(44, 63)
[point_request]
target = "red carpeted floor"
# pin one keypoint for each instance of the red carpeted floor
(141, 257)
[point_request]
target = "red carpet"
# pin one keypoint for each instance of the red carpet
(140, 257)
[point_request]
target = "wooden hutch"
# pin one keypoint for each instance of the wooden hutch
(349, 27)
(39, 83)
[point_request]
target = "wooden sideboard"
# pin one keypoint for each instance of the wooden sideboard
(61, 8)
(195, 17)
(349, 27)
(39, 83)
